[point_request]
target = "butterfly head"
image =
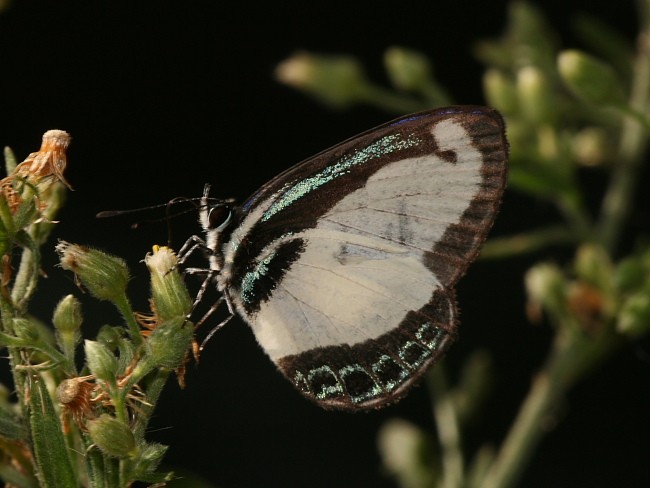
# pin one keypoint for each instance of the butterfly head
(217, 218)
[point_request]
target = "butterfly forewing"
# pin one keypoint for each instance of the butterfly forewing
(345, 264)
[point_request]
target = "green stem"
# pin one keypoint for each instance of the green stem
(640, 117)
(7, 218)
(7, 314)
(572, 356)
(111, 472)
(122, 470)
(620, 194)
(436, 95)
(446, 417)
(153, 389)
(27, 275)
(94, 463)
(387, 100)
(125, 309)
(506, 247)
(575, 214)
(118, 397)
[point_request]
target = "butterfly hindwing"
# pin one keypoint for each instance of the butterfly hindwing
(345, 264)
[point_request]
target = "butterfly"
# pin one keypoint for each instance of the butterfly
(344, 265)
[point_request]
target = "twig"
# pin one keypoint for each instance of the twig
(618, 199)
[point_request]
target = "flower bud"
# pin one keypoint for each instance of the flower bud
(166, 347)
(336, 80)
(112, 437)
(110, 336)
(408, 70)
(592, 264)
(67, 322)
(546, 285)
(402, 447)
(535, 95)
(169, 294)
(105, 276)
(500, 91)
(101, 362)
(168, 343)
(67, 315)
(589, 79)
(634, 316)
(591, 146)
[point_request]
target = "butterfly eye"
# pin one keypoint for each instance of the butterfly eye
(219, 217)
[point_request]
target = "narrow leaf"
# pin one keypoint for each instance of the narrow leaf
(53, 463)
(10, 428)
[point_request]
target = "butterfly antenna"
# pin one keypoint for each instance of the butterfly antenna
(169, 215)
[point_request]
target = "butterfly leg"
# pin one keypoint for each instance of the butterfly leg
(215, 306)
(231, 314)
(204, 287)
(190, 247)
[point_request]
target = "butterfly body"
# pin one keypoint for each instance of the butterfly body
(344, 265)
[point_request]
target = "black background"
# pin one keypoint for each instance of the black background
(161, 97)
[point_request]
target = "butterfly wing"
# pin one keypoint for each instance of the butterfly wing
(345, 264)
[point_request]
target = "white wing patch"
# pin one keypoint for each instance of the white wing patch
(362, 269)
(413, 201)
(343, 289)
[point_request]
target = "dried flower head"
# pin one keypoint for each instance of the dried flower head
(75, 395)
(50, 161)
(39, 170)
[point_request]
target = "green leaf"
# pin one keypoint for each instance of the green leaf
(145, 469)
(52, 460)
(590, 79)
(10, 160)
(9, 427)
(13, 477)
(540, 180)
(606, 42)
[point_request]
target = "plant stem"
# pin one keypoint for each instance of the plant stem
(26, 278)
(624, 179)
(572, 356)
(446, 419)
(152, 394)
(528, 242)
(125, 309)
(389, 101)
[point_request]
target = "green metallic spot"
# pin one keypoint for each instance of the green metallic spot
(357, 368)
(404, 352)
(430, 336)
(326, 391)
(301, 382)
(379, 367)
(250, 278)
(383, 146)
